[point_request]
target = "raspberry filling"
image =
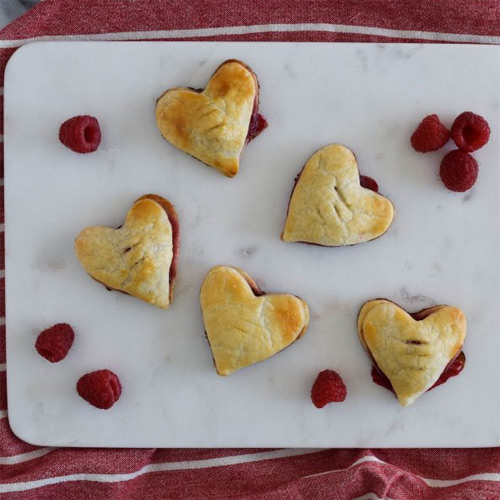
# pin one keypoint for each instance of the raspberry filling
(368, 183)
(255, 289)
(257, 124)
(257, 121)
(452, 369)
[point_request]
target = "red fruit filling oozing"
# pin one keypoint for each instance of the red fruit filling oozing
(452, 370)
(257, 121)
(368, 183)
(454, 367)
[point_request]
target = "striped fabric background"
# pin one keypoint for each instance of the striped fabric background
(31, 472)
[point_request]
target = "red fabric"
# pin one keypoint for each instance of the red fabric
(27, 471)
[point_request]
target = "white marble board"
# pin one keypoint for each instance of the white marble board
(443, 247)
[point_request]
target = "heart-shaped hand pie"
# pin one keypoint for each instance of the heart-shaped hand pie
(140, 257)
(329, 207)
(412, 351)
(214, 125)
(243, 325)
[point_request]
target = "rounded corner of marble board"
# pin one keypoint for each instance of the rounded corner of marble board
(17, 58)
(23, 431)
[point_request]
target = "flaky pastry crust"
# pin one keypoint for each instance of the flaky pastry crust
(411, 353)
(137, 257)
(244, 326)
(329, 207)
(211, 125)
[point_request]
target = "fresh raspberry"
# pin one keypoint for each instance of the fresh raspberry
(101, 388)
(328, 388)
(470, 131)
(458, 171)
(430, 135)
(368, 183)
(81, 134)
(55, 342)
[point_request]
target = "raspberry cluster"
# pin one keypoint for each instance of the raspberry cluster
(469, 132)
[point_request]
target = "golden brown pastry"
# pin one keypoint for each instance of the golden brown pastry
(243, 325)
(214, 125)
(140, 257)
(328, 205)
(412, 351)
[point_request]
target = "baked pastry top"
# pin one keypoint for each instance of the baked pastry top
(139, 258)
(329, 207)
(243, 325)
(212, 125)
(411, 353)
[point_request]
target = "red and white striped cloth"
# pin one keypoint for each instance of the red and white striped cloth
(31, 472)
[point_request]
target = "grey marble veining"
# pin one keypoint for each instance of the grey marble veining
(443, 247)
